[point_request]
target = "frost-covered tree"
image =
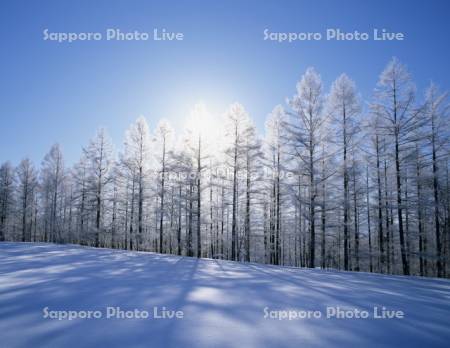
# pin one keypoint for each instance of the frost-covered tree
(252, 167)
(436, 114)
(197, 149)
(99, 157)
(27, 183)
(306, 127)
(237, 130)
(163, 140)
(344, 107)
(394, 103)
(6, 197)
(52, 184)
(135, 166)
(275, 159)
(79, 175)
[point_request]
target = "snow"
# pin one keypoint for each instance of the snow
(222, 302)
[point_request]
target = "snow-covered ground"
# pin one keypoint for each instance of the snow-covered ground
(223, 304)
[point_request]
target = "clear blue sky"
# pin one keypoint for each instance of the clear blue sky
(52, 92)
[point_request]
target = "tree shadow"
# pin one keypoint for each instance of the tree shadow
(223, 302)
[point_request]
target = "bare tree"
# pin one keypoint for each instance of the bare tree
(99, 157)
(6, 196)
(395, 104)
(26, 185)
(305, 129)
(344, 106)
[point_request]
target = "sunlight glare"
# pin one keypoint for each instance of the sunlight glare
(202, 123)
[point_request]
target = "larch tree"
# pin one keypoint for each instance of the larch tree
(7, 190)
(135, 162)
(305, 128)
(236, 128)
(395, 98)
(27, 183)
(252, 166)
(53, 176)
(275, 159)
(436, 113)
(99, 155)
(344, 107)
(163, 140)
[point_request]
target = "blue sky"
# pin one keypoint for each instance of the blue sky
(62, 92)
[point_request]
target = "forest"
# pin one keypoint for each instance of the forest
(334, 182)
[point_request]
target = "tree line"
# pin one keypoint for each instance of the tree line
(333, 183)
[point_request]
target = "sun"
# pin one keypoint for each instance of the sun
(201, 123)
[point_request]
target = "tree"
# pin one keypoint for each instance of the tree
(252, 158)
(52, 182)
(375, 133)
(275, 141)
(79, 176)
(395, 104)
(344, 107)
(26, 185)
(183, 167)
(135, 164)
(163, 138)
(305, 128)
(197, 146)
(6, 196)
(99, 158)
(236, 129)
(436, 112)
